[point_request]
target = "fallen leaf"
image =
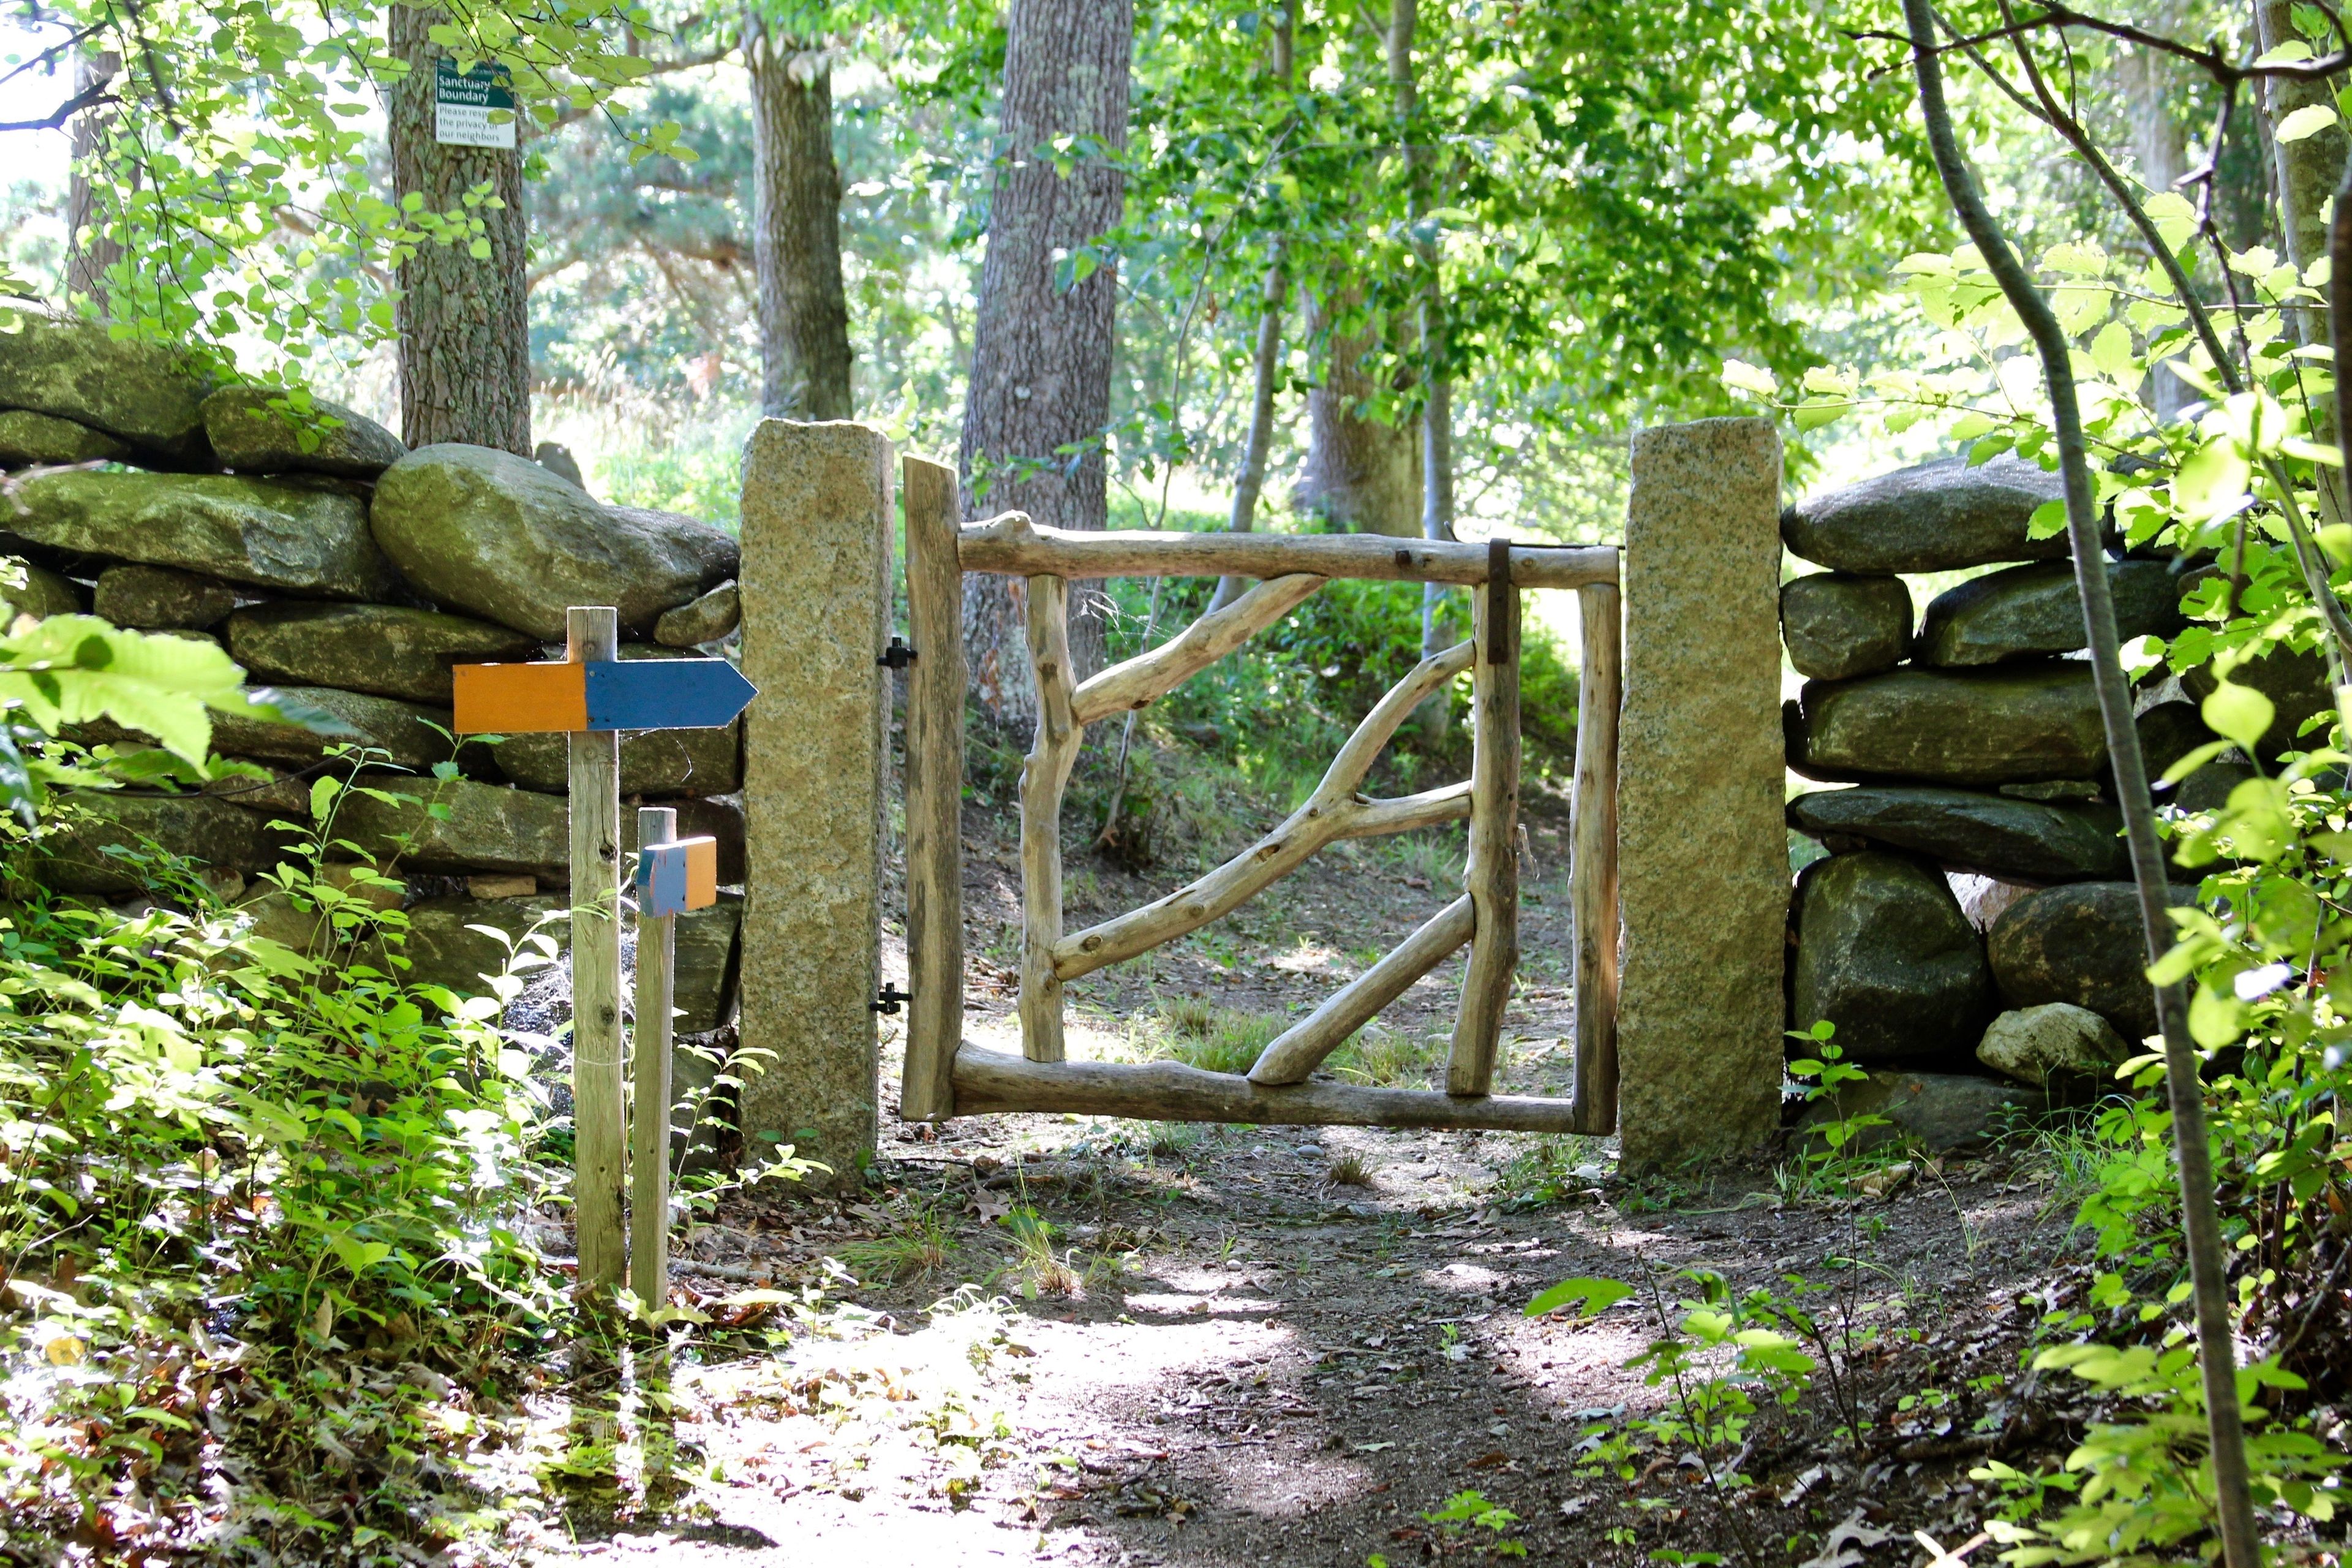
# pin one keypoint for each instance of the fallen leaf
(1372, 1448)
(1494, 1459)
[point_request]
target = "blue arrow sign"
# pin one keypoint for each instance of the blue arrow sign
(665, 693)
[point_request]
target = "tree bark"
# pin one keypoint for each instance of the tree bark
(90, 251)
(1437, 401)
(1041, 355)
(463, 322)
(1266, 363)
(1360, 475)
(2148, 85)
(2307, 172)
(796, 229)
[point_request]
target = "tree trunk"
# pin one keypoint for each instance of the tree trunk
(1360, 475)
(1041, 351)
(1266, 364)
(1437, 403)
(2148, 85)
(2307, 172)
(463, 322)
(796, 229)
(90, 249)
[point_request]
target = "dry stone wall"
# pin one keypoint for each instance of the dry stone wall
(351, 574)
(1972, 932)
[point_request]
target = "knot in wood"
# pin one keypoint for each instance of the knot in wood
(1091, 944)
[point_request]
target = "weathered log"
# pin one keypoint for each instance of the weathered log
(1300, 1048)
(1333, 812)
(1044, 774)
(989, 1081)
(1014, 546)
(1491, 873)
(1151, 676)
(598, 1139)
(1592, 862)
(649, 1083)
(934, 692)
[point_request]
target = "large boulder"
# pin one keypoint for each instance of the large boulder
(149, 394)
(300, 538)
(42, 594)
(2082, 944)
(156, 598)
(250, 437)
(390, 650)
(706, 620)
(27, 439)
(2296, 684)
(1983, 833)
(654, 763)
(1884, 953)
(1937, 1112)
(1957, 727)
(487, 828)
(498, 535)
(2056, 1044)
(75, 857)
(704, 993)
(1838, 625)
(2027, 611)
(1937, 517)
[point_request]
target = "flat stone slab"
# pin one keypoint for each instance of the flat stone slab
(250, 437)
(198, 826)
(1838, 625)
(1938, 1111)
(390, 650)
(1937, 517)
(1884, 953)
(28, 438)
(2027, 611)
(489, 827)
(307, 538)
(1988, 833)
(150, 394)
(156, 597)
(1956, 727)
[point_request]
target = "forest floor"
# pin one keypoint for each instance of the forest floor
(1080, 1341)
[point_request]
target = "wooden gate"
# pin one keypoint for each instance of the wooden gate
(944, 1076)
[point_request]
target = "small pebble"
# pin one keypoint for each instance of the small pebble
(1309, 1151)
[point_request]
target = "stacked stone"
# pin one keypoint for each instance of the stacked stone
(351, 574)
(1972, 934)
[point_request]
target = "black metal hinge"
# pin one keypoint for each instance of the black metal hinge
(888, 1002)
(897, 656)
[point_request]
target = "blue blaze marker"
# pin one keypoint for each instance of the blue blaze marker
(665, 693)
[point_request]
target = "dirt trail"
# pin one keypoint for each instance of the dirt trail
(1106, 1342)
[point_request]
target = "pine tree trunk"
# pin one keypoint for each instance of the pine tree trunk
(1360, 475)
(1041, 352)
(796, 229)
(464, 322)
(2149, 85)
(89, 254)
(2307, 173)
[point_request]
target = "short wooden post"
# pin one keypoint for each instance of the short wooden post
(649, 1081)
(598, 1139)
(1492, 875)
(1044, 774)
(1592, 859)
(935, 691)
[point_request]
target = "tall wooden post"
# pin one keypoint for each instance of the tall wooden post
(935, 691)
(649, 1084)
(1491, 876)
(598, 1140)
(1592, 864)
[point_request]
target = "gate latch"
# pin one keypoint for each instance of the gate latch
(888, 1002)
(897, 656)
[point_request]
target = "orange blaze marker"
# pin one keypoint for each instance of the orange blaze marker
(521, 698)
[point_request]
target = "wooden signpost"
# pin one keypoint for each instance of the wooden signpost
(591, 698)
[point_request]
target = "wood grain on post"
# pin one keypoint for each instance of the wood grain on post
(1492, 874)
(1149, 676)
(1333, 812)
(1300, 1050)
(935, 693)
(649, 1083)
(1044, 774)
(1592, 864)
(599, 1141)
(1014, 546)
(1169, 1091)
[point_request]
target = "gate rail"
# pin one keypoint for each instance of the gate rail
(944, 1076)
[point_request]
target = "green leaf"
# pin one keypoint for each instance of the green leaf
(2111, 352)
(2241, 712)
(2309, 121)
(1590, 1296)
(1738, 375)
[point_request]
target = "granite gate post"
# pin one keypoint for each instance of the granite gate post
(1702, 847)
(816, 617)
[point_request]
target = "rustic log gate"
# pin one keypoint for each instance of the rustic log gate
(944, 1076)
